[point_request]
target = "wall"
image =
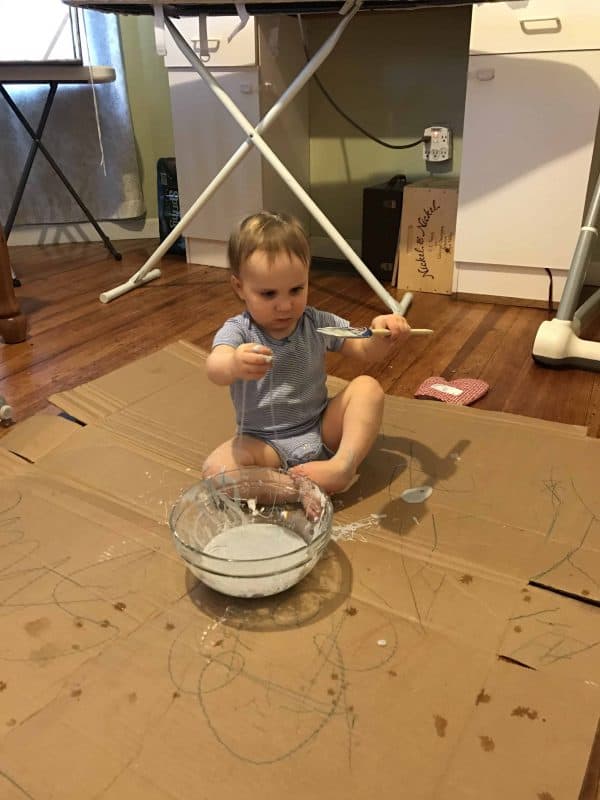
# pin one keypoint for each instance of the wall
(395, 73)
(148, 88)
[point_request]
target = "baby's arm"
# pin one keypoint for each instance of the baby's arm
(376, 348)
(248, 362)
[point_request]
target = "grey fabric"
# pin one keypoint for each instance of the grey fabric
(72, 139)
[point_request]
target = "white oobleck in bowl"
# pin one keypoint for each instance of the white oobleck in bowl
(252, 532)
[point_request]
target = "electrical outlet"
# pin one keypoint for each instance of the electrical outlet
(438, 146)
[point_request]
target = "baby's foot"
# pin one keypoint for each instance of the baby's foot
(333, 476)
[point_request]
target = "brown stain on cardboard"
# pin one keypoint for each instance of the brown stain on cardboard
(78, 623)
(517, 629)
(132, 697)
(466, 579)
(169, 626)
(75, 647)
(585, 592)
(37, 626)
(334, 676)
(218, 643)
(176, 695)
(105, 623)
(76, 692)
(331, 691)
(487, 743)
(440, 725)
(11, 722)
(483, 697)
(351, 611)
(47, 650)
(392, 673)
(2, 686)
(524, 711)
(119, 606)
(545, 796)
(527, 598)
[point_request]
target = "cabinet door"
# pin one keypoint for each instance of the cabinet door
(530, 26)
(529, 130)
(205, 137)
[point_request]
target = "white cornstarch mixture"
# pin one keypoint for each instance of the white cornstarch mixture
(249, 542)
(259, 563)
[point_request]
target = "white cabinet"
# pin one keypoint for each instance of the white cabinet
(206, 136)
(535, 26)
(528, 141)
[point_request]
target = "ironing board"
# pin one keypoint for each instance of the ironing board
(163, 10)
(54, 74)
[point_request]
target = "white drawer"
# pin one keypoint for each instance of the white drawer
(240, 52)
(535, 26)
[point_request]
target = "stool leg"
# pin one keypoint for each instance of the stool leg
(13, 324)
(35, 143)
(39, 145)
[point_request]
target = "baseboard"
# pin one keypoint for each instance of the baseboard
(213, 253)
(323, 247)
(208, 252)
(519, 285)
(83, 232)
(501, 300)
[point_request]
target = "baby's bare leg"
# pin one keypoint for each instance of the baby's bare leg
(241, 451)
(272, 487)
(351, 423)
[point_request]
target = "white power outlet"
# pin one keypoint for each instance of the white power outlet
(438, 146)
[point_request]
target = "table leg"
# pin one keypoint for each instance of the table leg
(13, 324)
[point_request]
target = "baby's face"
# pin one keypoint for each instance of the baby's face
(275, 291)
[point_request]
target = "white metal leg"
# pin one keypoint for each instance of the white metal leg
(558, 342)
(146, 273)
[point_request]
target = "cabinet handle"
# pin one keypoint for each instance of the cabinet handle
(212, 44)
(531, 27)
(485, 74)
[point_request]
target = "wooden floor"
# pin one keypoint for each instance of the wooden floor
(74, 338)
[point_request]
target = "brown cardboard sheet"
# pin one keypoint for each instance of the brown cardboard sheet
(416, 660)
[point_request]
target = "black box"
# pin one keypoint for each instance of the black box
(168, 203)
(382, 210)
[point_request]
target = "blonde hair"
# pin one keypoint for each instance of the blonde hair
(271, 233)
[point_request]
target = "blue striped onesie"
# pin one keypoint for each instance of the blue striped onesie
(285, 407)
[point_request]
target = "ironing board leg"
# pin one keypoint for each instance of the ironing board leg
(257, 140)
(147, 272)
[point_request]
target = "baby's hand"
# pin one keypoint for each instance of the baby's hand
(397, 325)
(252, 361)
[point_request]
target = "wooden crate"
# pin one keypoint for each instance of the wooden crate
(425, 253)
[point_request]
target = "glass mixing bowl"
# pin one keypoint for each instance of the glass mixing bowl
(251, 532)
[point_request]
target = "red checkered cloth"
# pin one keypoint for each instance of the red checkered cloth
(460, 392)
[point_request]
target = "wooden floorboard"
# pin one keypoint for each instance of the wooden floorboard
(74, 338)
